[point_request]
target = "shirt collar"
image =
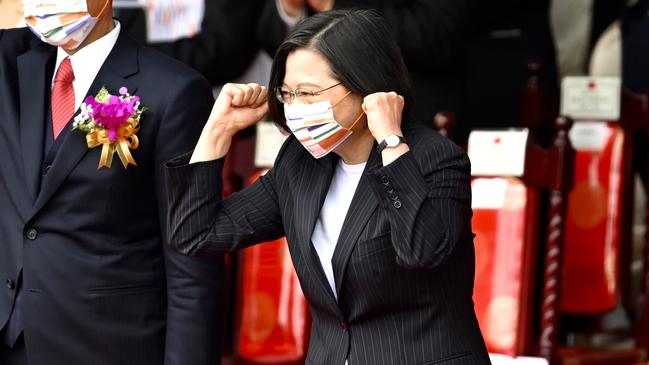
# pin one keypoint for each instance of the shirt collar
(87, 61)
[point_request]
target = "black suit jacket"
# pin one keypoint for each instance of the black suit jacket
(98, 284)
(403, 264)
(227, 42)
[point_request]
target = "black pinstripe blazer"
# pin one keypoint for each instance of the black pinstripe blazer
(403, 264)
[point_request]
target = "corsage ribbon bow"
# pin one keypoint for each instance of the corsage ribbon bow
(126, 141)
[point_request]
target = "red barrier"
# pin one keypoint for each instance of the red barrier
(506, 218)
(506, 248)
(593, 230)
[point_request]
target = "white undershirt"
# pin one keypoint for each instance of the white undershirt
(86, 63)
(335, 207)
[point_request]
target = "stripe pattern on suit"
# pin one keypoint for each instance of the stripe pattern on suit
(403, 264)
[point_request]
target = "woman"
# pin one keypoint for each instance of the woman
(379, 230)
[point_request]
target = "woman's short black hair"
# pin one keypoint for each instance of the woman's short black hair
(361, 52)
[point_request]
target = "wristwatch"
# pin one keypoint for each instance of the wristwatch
(391, 140)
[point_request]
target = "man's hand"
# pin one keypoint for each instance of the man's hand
(321, 5)
(292, 7)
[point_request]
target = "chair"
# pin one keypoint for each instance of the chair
(508, 228)
(272, 317)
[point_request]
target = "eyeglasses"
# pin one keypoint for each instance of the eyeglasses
(304, 96)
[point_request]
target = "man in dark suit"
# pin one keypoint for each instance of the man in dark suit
(224, 47)
(88, 278)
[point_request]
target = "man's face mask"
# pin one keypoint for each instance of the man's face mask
(316, 128)
(61, 23)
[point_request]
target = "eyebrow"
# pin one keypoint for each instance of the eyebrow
(304, 84)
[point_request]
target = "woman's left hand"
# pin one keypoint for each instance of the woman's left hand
(383, 112)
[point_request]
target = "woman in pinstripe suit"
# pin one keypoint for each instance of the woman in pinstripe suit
(379, 230)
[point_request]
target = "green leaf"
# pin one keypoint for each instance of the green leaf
(103, 95)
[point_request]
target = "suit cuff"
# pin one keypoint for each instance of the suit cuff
(400, 184)
(204, 176)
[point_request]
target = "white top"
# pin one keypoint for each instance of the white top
(335, 207)
(86, 63)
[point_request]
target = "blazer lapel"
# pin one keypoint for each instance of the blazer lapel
(119, 65)
(34, 85)
(363, 204)
(318, 174)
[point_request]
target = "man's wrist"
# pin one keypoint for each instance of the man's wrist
(289, 15)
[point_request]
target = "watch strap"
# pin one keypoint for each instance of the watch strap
(384, 143)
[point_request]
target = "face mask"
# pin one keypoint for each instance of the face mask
(316, 128)
(61, 23)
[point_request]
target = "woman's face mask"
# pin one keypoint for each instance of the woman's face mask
(61, 23)
(316, 128)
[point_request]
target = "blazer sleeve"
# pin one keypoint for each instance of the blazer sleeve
(201, 223)
(195, 287)
(426, 195)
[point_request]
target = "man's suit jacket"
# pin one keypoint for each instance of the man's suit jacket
(226, 44)
(99, 286)
(635, 50)
(403, 264)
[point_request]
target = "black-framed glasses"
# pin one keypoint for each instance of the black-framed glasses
(287, 96)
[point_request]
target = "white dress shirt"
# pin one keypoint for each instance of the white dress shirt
(332, 215)
(86, 63)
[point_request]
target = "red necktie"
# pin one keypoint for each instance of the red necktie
(62, 97)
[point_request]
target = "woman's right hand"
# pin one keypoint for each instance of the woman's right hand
(237, 107)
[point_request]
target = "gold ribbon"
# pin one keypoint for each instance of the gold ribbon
(126, 141)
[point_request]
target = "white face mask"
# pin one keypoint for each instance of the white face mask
(316, 128)
(61, 23)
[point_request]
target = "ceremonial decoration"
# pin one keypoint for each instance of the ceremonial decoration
(111, 122)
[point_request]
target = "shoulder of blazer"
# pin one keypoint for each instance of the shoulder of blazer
(434, 151)
(157, 64)
(167, 77)
(287, 156)
(17, 41)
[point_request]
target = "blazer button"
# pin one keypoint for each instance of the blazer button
(396, 204)
(343, 326)
(47, 169)
(10, 284)
(32, 233)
